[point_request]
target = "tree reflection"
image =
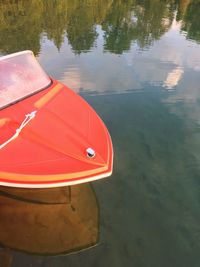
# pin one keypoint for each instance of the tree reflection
(54, 17)
(191, 20)
(182, 9)
(81, 31)
(123, 22)
(154, 18)
(20, 25)
(130, 21)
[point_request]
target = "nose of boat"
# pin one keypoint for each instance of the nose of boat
(72, 127)
(66, 143)
(88, 144)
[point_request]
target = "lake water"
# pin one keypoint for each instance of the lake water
(138, 64)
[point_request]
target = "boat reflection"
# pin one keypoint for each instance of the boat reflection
(49, 221)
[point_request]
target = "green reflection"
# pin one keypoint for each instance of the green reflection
(191, 20)
(81, 31)
(182, 6)
(16, 25)
(138, 21)
(22, 23)
(54, 17)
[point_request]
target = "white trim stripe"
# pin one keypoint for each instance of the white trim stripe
(52, 185)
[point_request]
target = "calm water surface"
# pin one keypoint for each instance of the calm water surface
(138, 64)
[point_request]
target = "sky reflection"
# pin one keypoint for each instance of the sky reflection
(163, 64)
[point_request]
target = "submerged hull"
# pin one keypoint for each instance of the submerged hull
(50, 221)
(50, 148)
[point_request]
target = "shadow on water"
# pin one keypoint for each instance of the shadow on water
(48, 221)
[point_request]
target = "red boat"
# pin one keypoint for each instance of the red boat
(49, 135)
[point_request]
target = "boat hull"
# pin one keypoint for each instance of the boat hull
(50, 148)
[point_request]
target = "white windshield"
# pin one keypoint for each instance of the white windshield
(20, 76)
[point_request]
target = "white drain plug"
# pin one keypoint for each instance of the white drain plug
(90, 152)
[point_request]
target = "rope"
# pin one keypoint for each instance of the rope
(28, 117)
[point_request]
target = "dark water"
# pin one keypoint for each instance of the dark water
(138, 64)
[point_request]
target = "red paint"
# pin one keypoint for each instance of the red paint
(51, 149)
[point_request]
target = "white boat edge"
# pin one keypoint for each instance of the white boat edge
(58, 184)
